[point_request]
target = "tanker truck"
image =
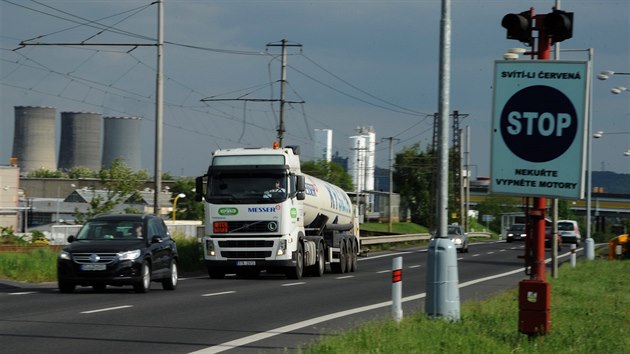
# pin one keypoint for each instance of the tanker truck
(262, 213)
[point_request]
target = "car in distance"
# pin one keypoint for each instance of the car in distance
(516, 232)
(569, 231)
(117, 250)
(459, 237)
(549, 238)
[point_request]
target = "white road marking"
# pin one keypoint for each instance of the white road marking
(490, 252)
(345, 277)
(384, 271)
(221, 293)
(314, 321)
(108, 309)
(415, 266)
(294, 284)
(24, 293)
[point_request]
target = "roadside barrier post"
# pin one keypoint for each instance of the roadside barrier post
(397, 312)
(573, 255)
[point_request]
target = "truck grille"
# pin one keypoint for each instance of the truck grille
(246, 254)
(91, 258)
(246, 244)
(252, 226)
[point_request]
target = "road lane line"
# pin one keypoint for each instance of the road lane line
(294, 284)
(415, 266)
(221, 293)
(384, 271)
(345, 277)
(317, 320)
(24, 293)
(108, 309)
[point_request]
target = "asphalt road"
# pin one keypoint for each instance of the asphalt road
(265, 314)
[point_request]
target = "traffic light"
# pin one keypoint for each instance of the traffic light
(519, 26)
(559, 25)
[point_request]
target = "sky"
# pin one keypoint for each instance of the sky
(354, 63)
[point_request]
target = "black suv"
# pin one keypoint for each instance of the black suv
(122, 249)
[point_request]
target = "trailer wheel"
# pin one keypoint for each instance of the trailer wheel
(296, 272)
(353, 256)
(341, 266)
(349, 256)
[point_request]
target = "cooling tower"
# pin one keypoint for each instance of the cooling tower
(122, 139)
(34, 138)
(80, 140)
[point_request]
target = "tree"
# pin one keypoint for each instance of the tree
(330, 172)
(120, 183)
(496, 205)
(81, 172)
(187, 208)
(43, 172)
(412, 178)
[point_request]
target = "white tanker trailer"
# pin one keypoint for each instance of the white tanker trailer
(262, 213)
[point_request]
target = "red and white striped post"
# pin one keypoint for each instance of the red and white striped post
(397, 312)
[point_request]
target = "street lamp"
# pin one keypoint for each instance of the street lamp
(606, 74)
(180, 195)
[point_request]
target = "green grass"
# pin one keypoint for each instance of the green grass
(590, 313)
(40, 264)
(37, 265)
(397, 227)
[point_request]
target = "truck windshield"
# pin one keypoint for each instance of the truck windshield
(247, 189)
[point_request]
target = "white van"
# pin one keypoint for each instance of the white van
(569, 231)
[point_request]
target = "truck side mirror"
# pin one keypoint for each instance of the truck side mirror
(300, 187)
(199, 188)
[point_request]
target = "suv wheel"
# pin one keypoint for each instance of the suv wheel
(170, 283)
(66, 287)
(143, 285)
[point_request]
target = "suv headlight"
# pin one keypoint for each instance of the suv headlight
(65, 255)
(129, 255)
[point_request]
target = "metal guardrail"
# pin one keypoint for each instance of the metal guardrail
(375, 240)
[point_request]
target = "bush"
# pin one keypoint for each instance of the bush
(190, 259)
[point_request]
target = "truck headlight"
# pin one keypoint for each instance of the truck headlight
(282, 247)
(210, 248)
(457, 241)
(129, 255)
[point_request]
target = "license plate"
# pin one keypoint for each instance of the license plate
(245, 263)
(93, 266)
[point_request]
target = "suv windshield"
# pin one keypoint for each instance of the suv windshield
(517, 227)
(112, 229)
(565, 226)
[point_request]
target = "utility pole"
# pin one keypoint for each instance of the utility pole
(159, 93)
(283, 79)
(391, 181)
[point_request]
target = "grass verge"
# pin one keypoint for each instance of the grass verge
(590, 313)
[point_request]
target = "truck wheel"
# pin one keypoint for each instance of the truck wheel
(144, 284)
(216, 274)
(317, 270)
(296, 272)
